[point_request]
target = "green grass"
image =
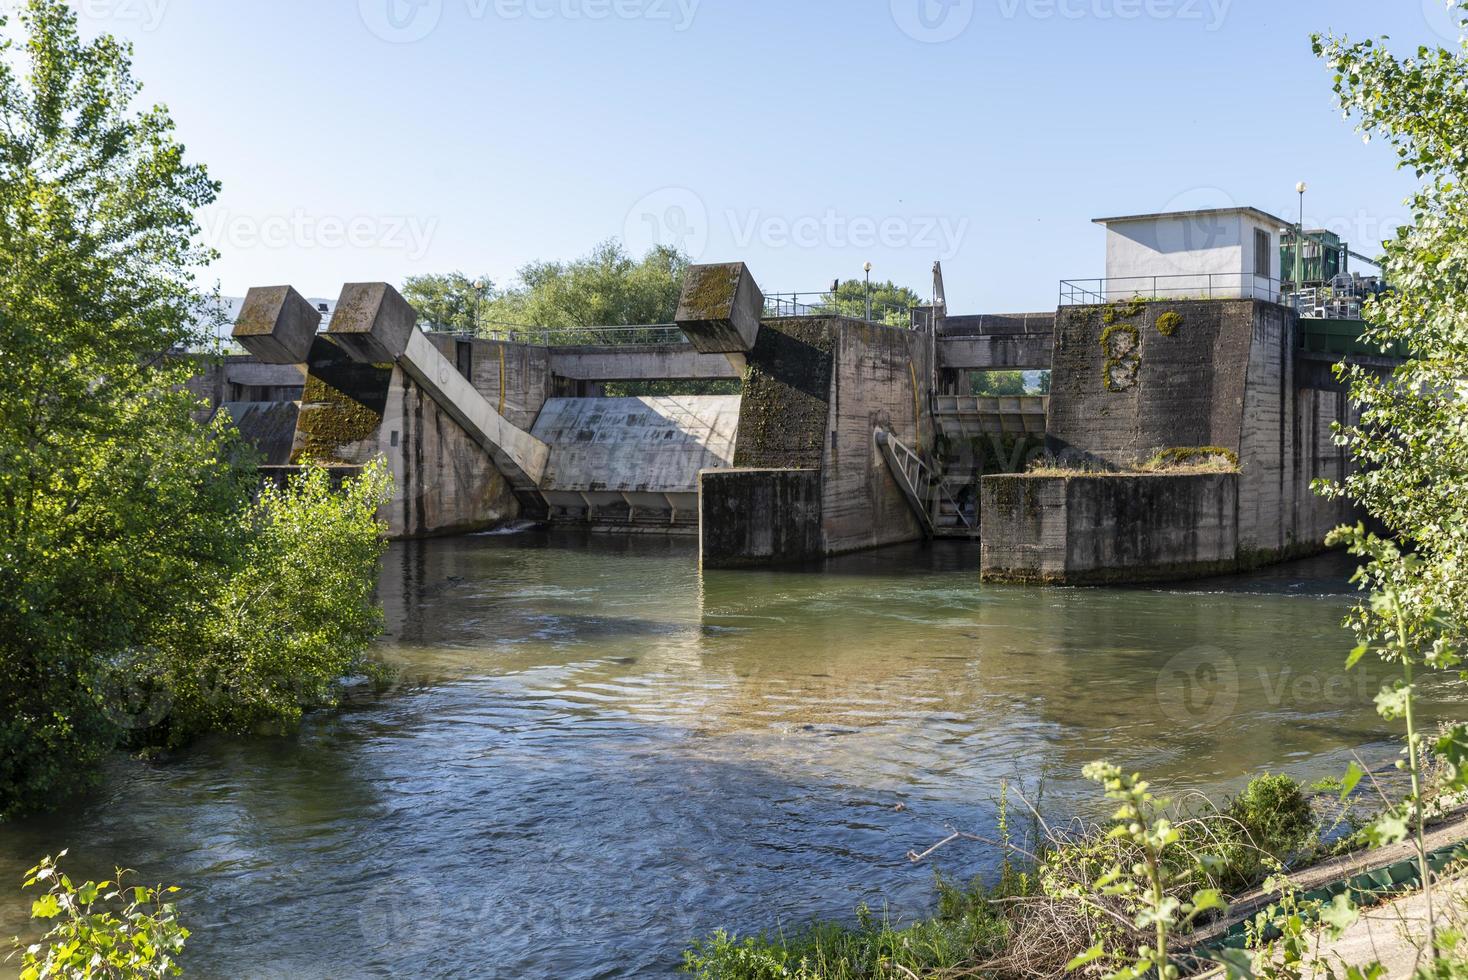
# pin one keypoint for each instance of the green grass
(966, 929)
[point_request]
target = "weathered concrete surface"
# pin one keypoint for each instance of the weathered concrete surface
(1001, 341)
(445, 482)
(268, 426)
(342, 408)
(720, 308)
(759, 517)
(353, 413)
(1182, 390)
(787, 395)
(515, 378)
(879, 380)
(375, 324)
(816, 391)
(277, 325)
(1078, 530)
(682, 362)
(634, 460)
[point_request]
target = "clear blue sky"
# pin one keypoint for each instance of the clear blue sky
(802, 136)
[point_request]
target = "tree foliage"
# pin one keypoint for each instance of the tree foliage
(125, 524)
(449, 301)
(1411, 441)
(891, 303)
(608, 287)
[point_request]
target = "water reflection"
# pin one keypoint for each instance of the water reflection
(595, 753)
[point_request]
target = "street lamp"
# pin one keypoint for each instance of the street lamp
(868, 270)
(480, 285)
(1300, 188)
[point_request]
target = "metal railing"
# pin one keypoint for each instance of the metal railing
(1202, 285)
(830, 304)
(656, 334)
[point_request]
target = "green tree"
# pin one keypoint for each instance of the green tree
(605, 288)
(891, 303)
(451, 301)
(128, 527)
(1411, 441)
(111, 498)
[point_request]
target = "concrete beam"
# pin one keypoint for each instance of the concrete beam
(997, 342)
(374, 324)
(720, 308)
(682, 363)
(277, 325)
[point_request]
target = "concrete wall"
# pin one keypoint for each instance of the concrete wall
(1115, 528)
(1186, 390)
(516, 379)
(879, 381)
(354, 413)
(446, 484)
(638, 363)
(759, 517)
(1006, 341)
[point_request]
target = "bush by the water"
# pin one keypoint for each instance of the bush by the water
(144, 594)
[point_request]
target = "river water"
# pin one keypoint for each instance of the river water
(594, 753)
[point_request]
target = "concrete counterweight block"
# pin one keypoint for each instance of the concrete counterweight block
(373, 322)
(720, 309)
(277, 325)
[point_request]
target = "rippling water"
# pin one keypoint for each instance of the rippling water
(595, 754)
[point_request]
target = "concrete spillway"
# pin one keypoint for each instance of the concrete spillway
(634, 460)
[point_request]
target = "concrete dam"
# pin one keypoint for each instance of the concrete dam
(846, 434)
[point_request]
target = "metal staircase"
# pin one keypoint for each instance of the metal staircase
(928, 495)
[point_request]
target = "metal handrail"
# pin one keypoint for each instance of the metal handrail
(826, 303)
(1198, 285)
(653, 334)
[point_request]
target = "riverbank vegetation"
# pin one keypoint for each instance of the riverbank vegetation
(146, 594)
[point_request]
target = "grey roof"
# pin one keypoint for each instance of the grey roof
(1263, 215)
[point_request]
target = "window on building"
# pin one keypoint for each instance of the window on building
(1263, 245)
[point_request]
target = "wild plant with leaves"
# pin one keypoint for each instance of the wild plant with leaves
(100, 930)
(1150, 885)
(1410, 443)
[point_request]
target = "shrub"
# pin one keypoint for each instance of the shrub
(1275, 814)
(102, 930)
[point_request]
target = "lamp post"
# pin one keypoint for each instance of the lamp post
(480, 285)
(1300, 188)
(868, 270)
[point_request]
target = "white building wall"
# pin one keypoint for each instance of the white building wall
(1188, 257)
